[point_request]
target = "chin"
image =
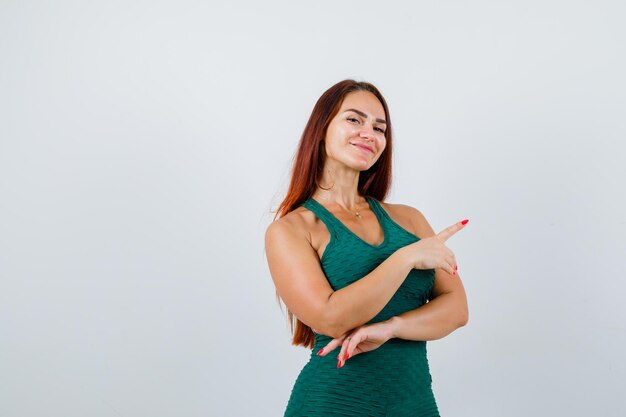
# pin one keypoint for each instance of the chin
(361, 167)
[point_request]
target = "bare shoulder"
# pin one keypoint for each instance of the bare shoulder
(410, 218)
(295, 223)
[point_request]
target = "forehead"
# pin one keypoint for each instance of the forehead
(364, 101)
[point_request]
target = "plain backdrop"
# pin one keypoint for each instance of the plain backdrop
(144, 145)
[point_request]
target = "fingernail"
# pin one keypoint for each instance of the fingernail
(456, 267)
(338, 364)
(453, 272)
(320, 351)
(347, 356)
(465, 221)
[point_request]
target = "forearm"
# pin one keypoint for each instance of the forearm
(359, 302)
(434, 320)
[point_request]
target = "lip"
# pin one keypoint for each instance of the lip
(363, 146)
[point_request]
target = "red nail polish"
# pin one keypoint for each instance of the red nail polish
(338, 364)
(456, 267)
(465, 221)
(347, 355)
(320, 351)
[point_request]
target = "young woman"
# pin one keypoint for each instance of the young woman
(368, 282)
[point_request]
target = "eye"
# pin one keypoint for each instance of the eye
(352, 119)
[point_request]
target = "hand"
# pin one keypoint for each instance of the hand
(430, 252)
(361, 339)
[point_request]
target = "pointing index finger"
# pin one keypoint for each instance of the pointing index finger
(446, 233)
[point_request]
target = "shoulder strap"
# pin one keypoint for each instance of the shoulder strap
(378, 209)
(324, 215)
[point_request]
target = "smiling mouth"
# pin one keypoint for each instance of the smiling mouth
(365, 148)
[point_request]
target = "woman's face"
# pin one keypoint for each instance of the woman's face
(356, 135)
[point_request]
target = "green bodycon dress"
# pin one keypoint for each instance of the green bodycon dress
(393, 380)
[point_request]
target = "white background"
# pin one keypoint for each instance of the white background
(144, 144)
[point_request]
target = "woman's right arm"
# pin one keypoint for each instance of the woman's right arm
(303, 287)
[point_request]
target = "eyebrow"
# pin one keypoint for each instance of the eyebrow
(359, 112)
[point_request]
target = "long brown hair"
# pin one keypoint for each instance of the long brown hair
(309, 161)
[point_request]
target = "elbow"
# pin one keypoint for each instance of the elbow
(332, 323)
(336, 328)
(335, 334)
(463, 317)
(326, 326)
(323, 328)
(333, 329)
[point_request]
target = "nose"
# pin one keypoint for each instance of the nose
(367, 132)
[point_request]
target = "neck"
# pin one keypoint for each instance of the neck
(339, 186)
(347, 201)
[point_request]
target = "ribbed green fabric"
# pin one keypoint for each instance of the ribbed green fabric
(393, 380)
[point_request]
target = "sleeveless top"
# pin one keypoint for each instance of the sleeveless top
(392, 380)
